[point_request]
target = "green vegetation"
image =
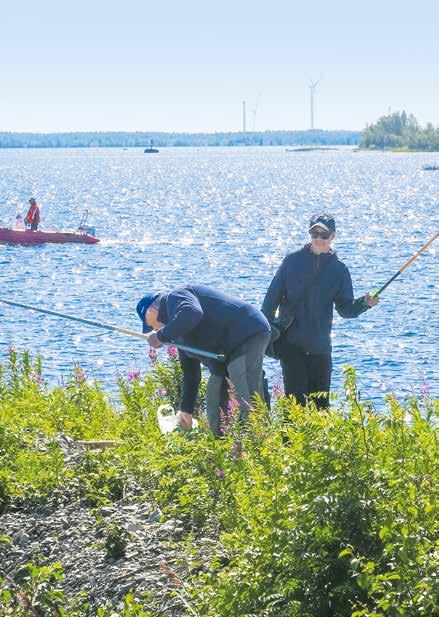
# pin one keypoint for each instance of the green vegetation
(300, 513)
(140, 140)
(400, 132)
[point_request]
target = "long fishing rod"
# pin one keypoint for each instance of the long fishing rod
(415, 256)
(98, 324)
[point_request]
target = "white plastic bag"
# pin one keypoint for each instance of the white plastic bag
(169, 421)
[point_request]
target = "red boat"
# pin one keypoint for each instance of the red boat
(12, 236)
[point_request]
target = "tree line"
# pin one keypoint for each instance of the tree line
(400, 131)
(123, 139)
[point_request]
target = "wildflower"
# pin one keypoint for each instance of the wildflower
(220, 474)
(161, 392)
(79, 375)
(172, 352)
(152, 355)
(278, 391)
(38, 378)
(425, 389)
(11, 349)
(133, 375)
(232, 408)
(228, 415)
(236, 450)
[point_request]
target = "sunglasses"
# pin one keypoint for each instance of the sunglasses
(324, 235)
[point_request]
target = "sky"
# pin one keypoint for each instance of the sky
(187, 65)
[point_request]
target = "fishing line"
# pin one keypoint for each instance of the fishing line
(125, 331)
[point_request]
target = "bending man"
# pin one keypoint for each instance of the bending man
(201, 317)
(307, 285)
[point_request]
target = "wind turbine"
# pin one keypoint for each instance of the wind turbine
(312, 88)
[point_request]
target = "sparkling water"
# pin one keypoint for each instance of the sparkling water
(223, 217)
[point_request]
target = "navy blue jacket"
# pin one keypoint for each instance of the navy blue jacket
(310, 285)
(199, 316)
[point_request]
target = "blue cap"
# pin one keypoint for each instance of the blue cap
(141, 308)
(323, 220)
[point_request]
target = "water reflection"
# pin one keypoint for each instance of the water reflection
(224, 217)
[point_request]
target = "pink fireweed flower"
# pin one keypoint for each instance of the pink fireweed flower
(232, 408)
(425, 389)
(38, 378)
(220, 474)
(172, 352)
(152, 355)
(278, 391)
(228, 415)
(79, 375)
(236, 451)
(133, 375)
(224, 422)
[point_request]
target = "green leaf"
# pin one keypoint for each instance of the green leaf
(344, 552)
(384, 531)
(364, 580)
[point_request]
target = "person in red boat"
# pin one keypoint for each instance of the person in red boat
(33, 215)
(19, 223)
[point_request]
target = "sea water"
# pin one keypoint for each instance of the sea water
(223, 217)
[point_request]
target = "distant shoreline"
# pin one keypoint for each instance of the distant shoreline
(397, 150)
(126, 139)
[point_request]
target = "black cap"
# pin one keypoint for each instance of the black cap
(141, 308)
(323, 220)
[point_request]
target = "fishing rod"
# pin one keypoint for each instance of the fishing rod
(98, 324)
(415, 256)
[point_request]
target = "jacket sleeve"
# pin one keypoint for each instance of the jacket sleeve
(275, 293)
(185, 314)
(28, 218)
(191, 382)
(345, 303)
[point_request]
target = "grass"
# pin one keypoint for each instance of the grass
(306, 513)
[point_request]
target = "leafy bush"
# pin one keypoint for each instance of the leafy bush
(401, 132)
(39, 593)
(307, 513)
(337, 522)
(116, 541)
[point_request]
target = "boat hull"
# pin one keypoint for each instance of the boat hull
(11, 236)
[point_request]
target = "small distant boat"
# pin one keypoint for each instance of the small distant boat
(150, 150)
(310, 149)
(12, 236)
(431, 168)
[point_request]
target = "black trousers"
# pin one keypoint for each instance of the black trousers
(304, 374)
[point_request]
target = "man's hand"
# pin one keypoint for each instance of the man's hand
(153, 341)
(184, 419)
(371, 301)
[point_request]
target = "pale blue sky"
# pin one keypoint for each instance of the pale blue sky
(187, 65)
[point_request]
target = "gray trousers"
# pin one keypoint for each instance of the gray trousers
(244, 369)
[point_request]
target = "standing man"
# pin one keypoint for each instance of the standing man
(201, 317)
(307, 285)
(33, 215)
